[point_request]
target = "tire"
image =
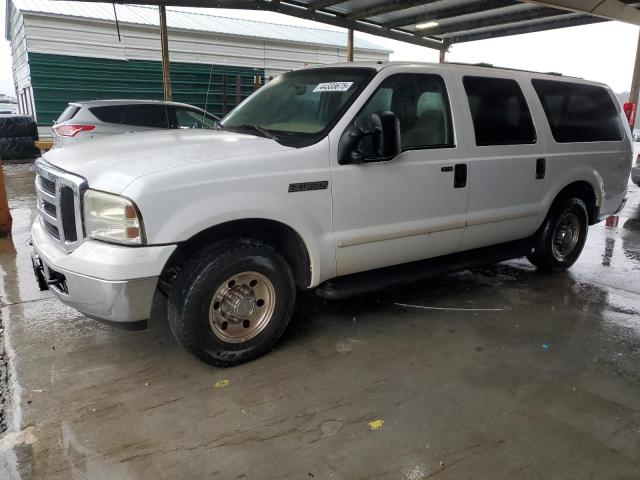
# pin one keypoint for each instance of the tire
(562, 236)
(220, 285)
(17, 148)
(18, 126)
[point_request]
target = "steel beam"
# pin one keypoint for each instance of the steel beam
(350, 45)
(569, 20)
(386, 7)
(635, 85)
(320, 4)
(450, 12)
(498, 19)
(288, 8)
(609, 9)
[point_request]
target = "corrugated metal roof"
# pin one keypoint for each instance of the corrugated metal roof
(147, 15)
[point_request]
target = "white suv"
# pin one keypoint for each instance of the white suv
(341, 179)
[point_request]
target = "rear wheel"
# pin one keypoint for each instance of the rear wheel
(562, 236)
(232, 302)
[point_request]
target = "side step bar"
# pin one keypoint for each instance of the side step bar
(359, 283)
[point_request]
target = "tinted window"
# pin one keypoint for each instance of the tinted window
(153, 116)
(68, 113)
(499, 111)
(109, 114)
(579, 113)
(421, 104)
(188, 118)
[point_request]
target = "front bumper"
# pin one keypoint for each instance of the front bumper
(124, 289)
(635, 175)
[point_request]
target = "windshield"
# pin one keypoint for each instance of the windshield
(302, 103)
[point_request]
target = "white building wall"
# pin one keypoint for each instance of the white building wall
(19, 62)
(94, 38)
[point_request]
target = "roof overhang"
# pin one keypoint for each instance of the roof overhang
(436, 23)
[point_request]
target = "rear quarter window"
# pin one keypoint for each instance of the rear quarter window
(108, 114)
(579, 113)
(68, 113)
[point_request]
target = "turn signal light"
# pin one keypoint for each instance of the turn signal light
(71, 130)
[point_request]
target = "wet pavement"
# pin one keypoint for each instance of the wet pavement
(509, 374)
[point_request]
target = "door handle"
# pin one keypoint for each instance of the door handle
(541, 168)
(460, 175)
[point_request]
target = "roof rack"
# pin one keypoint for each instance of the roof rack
(489, 65)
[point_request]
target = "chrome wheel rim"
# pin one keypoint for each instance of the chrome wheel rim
(242, 307)
(566, 236)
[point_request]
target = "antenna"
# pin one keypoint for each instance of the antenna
(206, 101)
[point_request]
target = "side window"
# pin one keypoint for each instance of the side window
(108, 114)
(422, 106)
(146, 115)
(499, 111)
(188, 118)
(579, 113)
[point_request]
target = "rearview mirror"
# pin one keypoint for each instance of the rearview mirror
(385, 138)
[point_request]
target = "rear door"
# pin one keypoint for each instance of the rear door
(507, 177)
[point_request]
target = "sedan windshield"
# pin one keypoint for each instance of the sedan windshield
(303, 103)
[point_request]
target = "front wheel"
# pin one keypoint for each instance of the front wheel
(561, 238)
(231, 302)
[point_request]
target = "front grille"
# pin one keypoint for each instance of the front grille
(58, 200)
(68, 214)
(52, 229)
(50, 208)
(48, 186)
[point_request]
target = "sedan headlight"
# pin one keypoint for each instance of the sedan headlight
(112, 218)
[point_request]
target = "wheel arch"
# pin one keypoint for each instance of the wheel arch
(585, 191)
(281, 237)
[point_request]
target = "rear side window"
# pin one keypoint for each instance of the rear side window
(108, 114)
(579, 113)
(68, 113)
(500, 112)
(153, 116)
(188, 118)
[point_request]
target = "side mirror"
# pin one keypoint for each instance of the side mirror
(386, 141)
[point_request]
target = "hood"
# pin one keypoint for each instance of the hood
(111, 163)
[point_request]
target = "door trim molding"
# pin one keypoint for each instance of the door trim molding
(409, 232)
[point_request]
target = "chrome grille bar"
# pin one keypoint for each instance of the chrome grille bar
(51, 182)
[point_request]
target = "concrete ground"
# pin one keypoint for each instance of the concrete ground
(516, 375)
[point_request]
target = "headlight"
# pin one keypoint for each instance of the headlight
(112, 218)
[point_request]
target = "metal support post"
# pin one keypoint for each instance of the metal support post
(166, 79)
(5, 214)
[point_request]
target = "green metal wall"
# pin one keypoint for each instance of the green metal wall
(60, 79)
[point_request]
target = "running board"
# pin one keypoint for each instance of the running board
(359, 283)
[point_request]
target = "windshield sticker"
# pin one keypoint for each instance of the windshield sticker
(333, 87)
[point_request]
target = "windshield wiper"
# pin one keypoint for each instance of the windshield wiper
(261, 130)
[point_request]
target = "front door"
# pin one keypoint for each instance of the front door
(413, 206)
